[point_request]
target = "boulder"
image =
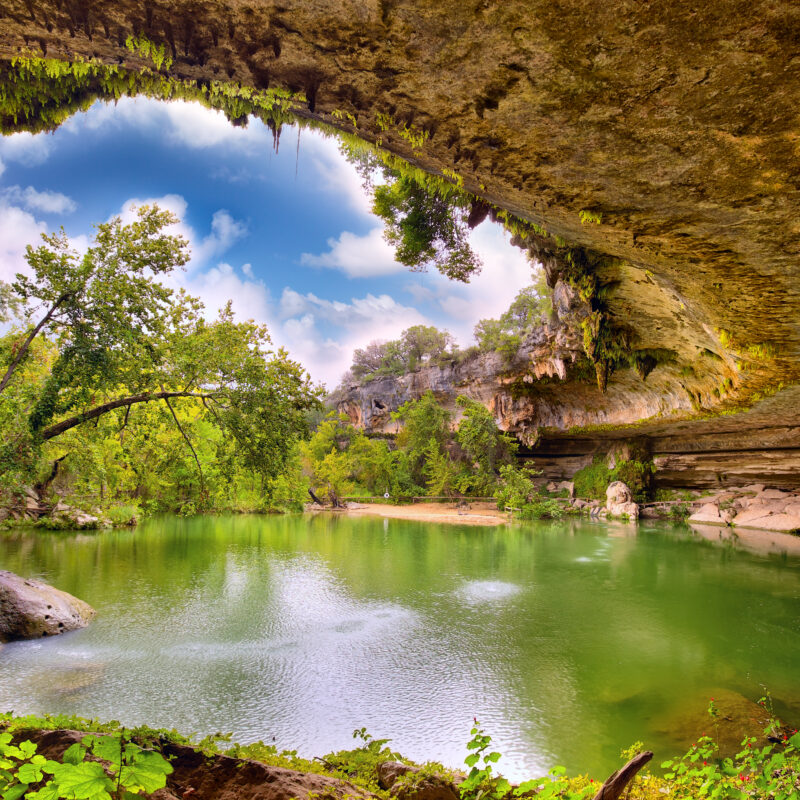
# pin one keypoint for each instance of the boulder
(710, 513)
(772, 494)
(782, 523)
(66, 517)
(419, 786)
(30, 609)
(390, 771)
(619, 501)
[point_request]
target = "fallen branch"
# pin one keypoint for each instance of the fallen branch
(615, 784)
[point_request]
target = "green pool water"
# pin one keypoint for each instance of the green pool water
(568, 641)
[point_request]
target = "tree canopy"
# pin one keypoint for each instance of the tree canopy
(417, 344)
(104, 336)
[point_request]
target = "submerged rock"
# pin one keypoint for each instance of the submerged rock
(30, 609)
(619, 501)
(723, 714)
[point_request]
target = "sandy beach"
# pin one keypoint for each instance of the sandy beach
(476, 514)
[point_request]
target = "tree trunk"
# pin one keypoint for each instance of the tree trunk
(123, 402)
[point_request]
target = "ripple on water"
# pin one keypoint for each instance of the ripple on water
(478, 592)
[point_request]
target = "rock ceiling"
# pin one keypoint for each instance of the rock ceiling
(676, 123)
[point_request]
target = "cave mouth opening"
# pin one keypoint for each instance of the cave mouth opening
(272, 202)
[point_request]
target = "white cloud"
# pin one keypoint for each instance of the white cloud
(506, 270)
(336, 174)
(365, 256)
(225, 230)
(45, 201)
(18, 228)
(25, 148)
(301, 318)
(250, 298)
(187, 124)
(2, 167)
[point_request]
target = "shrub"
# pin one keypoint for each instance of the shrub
(124, 515)
(592, 480)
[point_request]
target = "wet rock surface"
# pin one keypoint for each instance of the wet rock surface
(31, 609)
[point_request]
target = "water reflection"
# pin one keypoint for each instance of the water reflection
(569, 641)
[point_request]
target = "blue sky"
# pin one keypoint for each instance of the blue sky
(288, 237)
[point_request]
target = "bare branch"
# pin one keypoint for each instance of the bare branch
(186, 438)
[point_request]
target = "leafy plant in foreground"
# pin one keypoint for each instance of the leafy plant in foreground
(130, 771)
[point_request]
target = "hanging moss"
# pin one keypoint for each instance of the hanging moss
(39, 94)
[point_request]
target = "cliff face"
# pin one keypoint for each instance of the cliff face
(546, 395)
(673, 124)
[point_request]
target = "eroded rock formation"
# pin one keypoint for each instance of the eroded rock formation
(658, 142)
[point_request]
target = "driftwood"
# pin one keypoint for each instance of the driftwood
(615, 784)
(315, 498)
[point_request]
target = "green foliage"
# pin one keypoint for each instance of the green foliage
(38, 94)
(484, 444)
(481, 782)
(188, 414)
(144, 48)
(504, 335)
(516, 490)
(424, 421)
(637, 475)
(426, 227)
(417, 345)
(340, 458)
(592, 480)
(128, 770)
(360, 765)
(441, 474)
(771, 771)
(124, 514)
(587, 216)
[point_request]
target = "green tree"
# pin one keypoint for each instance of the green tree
(103, 307)
(421, 342)
(485, 445)
(113, 337)
(424, 421)
(426, 226)
(525, 312)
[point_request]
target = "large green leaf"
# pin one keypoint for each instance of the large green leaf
(148, 772)
(84, 781)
